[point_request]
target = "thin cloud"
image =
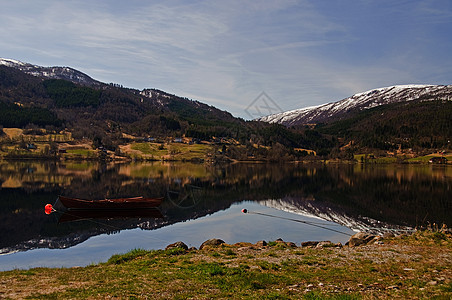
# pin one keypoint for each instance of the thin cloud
(225, 53)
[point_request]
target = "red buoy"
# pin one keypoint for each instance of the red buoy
(48, 209)
(244, 210)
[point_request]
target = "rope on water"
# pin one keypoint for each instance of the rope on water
(322, 225)
(315, 224)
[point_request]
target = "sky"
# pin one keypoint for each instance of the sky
(237, 55)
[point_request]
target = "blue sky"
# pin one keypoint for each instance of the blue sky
(226, 53)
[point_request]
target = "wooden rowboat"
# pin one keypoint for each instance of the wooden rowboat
(119, 203)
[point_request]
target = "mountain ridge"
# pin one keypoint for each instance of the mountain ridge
(55, 72)
(158, 97)
(345, 108)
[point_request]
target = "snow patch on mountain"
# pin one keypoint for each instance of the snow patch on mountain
(64, 73)
(361, 101)
(11, 62)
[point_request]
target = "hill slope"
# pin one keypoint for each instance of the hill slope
(414, 124)
(89, 107)
(60, 97)
(65, 73)
(350, 106)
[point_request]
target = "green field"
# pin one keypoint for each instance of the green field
(82, 152)
(426, 158)
(391, 160)
(173, 151)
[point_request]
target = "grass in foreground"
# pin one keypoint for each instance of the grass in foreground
(417, 266)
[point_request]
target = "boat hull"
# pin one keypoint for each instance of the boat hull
(120, 203)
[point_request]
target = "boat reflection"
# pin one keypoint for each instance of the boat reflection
(109, 214)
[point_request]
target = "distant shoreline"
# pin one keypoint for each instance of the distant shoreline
(15, 145)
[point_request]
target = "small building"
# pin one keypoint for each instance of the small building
(31, 146)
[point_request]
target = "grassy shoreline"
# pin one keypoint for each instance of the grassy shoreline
(405, 267)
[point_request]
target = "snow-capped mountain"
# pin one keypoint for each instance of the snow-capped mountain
(65, 73)
(361, 101)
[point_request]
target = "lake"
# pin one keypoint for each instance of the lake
(295, 202)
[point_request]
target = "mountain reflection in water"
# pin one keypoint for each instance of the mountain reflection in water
(359, 197)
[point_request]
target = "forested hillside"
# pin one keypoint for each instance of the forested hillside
(107, 107)
(415, 124)
(106, 111)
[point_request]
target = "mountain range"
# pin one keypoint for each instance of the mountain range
(414, 119)
(407, 116)
(347, 107)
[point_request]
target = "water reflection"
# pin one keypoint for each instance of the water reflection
(79, 215)
(359, 197)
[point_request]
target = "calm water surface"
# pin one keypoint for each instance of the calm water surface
(202, 202)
